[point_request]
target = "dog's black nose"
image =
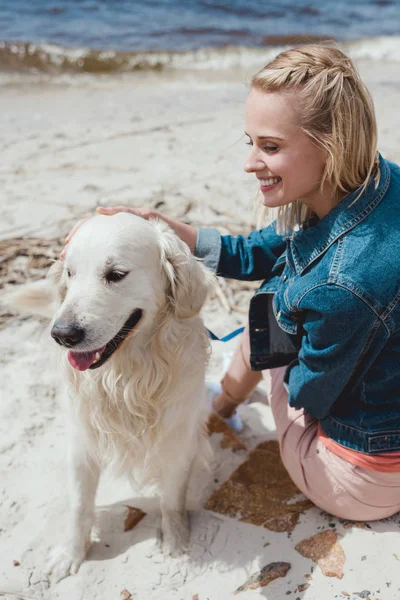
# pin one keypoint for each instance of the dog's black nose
(67, 335)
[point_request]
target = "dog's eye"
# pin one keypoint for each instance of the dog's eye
(114, 276)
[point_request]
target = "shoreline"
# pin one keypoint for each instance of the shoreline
(52, 59)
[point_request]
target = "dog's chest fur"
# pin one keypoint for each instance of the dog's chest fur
(136, 416)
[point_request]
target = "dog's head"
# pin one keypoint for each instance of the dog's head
(118, 275)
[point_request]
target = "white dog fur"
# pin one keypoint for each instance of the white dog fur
(144, 411)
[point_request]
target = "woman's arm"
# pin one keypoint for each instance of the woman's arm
(239, 257)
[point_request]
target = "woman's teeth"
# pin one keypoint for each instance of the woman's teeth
(271, 181)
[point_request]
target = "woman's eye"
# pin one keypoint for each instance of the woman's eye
(115, 276)
(69, 274)
(269, 148)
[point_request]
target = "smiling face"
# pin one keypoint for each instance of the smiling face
(287, 163)
(112, 280)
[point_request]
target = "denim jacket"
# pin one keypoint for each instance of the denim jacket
(335, 289)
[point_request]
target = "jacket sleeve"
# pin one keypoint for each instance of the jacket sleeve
(246, 258)
(338, 329)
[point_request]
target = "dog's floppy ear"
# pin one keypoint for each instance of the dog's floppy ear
(189, 281)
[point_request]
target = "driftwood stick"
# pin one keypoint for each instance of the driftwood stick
(222, 297)
(239, 309)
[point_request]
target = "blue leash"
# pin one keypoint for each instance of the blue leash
(226, 338)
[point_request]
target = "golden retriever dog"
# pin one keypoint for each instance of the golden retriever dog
(133, 350)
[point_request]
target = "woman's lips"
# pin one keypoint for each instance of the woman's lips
(267, 185)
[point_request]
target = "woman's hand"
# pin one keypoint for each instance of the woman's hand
(187, 233)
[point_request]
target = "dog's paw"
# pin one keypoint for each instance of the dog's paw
(175, 533)
(65, 560)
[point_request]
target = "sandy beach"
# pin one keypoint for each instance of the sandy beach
(173, 141)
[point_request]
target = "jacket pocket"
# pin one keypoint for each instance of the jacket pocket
(284, 320)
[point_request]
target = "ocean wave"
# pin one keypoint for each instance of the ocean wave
(53, 59)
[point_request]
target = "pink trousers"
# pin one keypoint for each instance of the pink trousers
(329, 481)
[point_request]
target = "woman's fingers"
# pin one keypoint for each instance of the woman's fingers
(75, 229)
(71, 234)
(112, 210)
(145, 213)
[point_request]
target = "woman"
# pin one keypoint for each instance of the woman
(324, 327)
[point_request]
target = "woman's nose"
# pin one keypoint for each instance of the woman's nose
(254, 162)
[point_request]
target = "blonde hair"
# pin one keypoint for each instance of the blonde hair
(337, 113)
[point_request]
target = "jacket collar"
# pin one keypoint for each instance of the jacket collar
(308, 244)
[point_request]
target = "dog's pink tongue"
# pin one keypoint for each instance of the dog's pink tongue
(82, 360)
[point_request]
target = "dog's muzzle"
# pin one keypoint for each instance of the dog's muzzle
(70, 336)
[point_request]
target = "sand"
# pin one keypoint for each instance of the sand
(175, 142)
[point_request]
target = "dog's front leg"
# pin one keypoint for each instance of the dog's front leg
(83, 480)
(174, 517)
